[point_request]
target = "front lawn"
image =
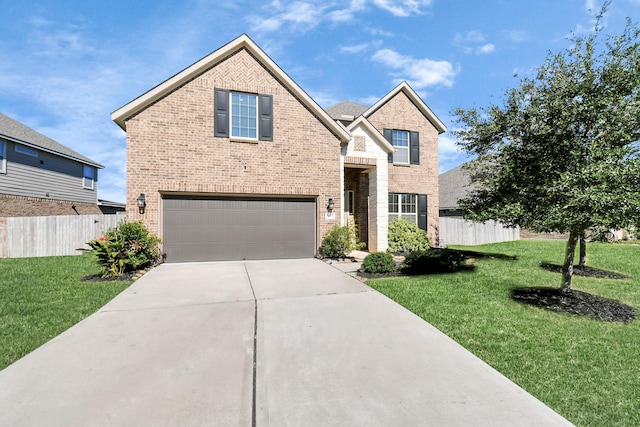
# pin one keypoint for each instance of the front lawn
(42, 297)
(586, 370)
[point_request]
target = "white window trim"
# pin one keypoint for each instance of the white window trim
(401, 213)
(27, 151)
(399, 148)
(3, 153)
(245, 138)
(93, 177)
(351, 202)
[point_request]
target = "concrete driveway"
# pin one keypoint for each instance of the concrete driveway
(258, 343)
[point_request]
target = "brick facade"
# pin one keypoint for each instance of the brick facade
(400, 113)
(171, 146)
(13, 206)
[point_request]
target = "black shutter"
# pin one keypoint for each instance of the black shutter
(422, 211)
(221, 113)
(265, 112)
(414, 144)
(388, 135)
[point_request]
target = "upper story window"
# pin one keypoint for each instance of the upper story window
(3, 157)
(88, 177)
(26, 150)
(243, 115)
(401, 145)
(406, 146)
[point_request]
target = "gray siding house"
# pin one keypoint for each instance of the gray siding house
(41, 177)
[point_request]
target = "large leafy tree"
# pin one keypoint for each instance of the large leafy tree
(562, 153)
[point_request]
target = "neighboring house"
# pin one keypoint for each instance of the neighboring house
(41, 177)
(109, 208)
(455, 184)
(235, 161)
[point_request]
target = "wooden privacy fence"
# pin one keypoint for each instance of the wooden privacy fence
(457, 231)
(34, 236)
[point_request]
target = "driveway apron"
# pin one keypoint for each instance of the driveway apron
(258, 343)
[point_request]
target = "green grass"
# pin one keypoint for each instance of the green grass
(588, 371)
(42, 297)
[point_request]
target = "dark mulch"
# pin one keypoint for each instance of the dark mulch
(397, 273)
(98, 278)
(576, 303)
(585, 271)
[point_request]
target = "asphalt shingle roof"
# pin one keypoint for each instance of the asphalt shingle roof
(346, 108)
(17, 132)
(454, 185)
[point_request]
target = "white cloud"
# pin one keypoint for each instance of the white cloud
(420, 73)
(362, 47)
(298, 15)
(305, 15)
(473, 42)
(516, 36)
(486, 48)
(590, 5)
(403, 7)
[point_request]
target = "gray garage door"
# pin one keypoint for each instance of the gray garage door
(221, 229)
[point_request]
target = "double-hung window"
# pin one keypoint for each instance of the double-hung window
(401, 146)
(403, 206)
(406, 146)
(244, 115)
(3, 157)
(88, 177)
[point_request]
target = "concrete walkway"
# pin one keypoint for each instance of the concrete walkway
(177, 348)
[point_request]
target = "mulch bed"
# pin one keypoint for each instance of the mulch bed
(585, 271)
(576, 303)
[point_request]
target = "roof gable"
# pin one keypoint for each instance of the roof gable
(15, 131)
(369, 128)
(121, 115)
(415, 99)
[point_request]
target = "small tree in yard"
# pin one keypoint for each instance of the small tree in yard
(563, 154)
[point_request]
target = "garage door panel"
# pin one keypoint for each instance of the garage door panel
(201, 229)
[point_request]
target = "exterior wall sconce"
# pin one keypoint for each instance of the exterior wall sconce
(330, 205)
(142, 203)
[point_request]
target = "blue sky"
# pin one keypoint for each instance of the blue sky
(66, 65)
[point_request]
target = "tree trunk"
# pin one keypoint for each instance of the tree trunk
(567, 268)
(583, 250)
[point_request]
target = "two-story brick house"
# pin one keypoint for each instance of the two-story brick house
(236, 161)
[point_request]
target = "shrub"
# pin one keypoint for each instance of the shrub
(379, 262)
(434, 261)
(128, 247)
(405, 236)
(339, 241)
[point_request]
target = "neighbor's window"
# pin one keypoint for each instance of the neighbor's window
(26, 150)
(244, 115)
(403, 206)
(88, 177)
(401, 145)
(3, 157)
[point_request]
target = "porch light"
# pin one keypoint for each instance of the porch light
(330, 205)
(142, 203)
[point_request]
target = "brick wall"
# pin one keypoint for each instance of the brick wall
(400, 113)
(171, 147)
(15, 206)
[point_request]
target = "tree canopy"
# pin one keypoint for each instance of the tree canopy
(563, 152)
